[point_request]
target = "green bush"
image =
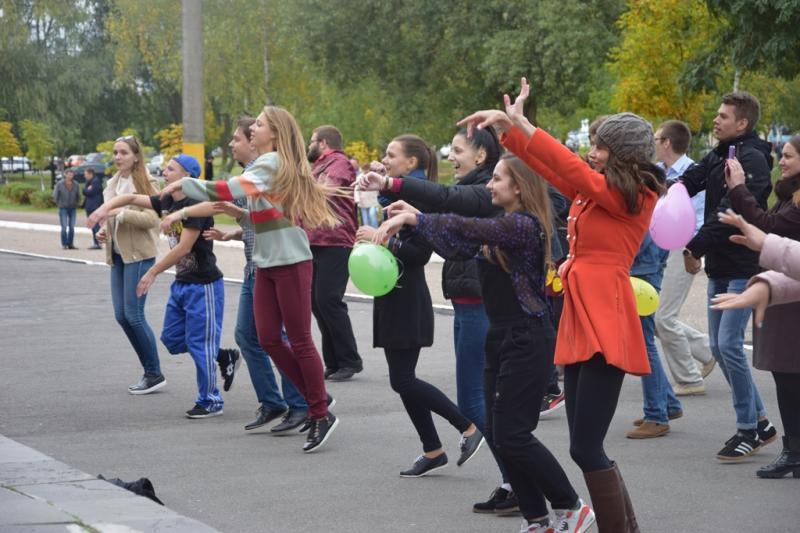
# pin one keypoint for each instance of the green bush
(42, 199)
(20, 193)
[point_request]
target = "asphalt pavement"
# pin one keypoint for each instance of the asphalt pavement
(66, 366)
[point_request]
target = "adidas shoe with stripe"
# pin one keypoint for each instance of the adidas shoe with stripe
(740, 446)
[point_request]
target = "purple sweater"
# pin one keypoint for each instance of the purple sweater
(518, 235)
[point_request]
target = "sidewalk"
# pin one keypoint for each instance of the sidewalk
(40, 494)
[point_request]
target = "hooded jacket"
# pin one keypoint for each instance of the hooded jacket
(724, 259)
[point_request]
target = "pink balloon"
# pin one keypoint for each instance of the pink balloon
(673, 222)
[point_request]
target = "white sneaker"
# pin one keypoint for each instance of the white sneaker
(689, 390)
(574, 520)
(536, 527)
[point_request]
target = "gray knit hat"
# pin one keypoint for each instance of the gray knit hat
(629, 137)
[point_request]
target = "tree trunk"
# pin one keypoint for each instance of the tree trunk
(266, 67)
(737, 76)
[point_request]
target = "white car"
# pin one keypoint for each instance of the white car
(16, 164)
(155, 165)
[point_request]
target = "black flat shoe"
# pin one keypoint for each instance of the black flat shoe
(264, 417)
(787, 462)
(424, 466)
(292, 419)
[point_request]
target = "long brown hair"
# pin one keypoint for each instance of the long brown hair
(414, 146)
(631, 177)
(300, 196)
(795, 142)
(534, 199)
(139, 175)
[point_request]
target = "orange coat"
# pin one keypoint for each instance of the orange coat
(599, 307)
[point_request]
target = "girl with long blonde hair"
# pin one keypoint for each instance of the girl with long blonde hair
(131, 237)
(281, 194)
(513, 253)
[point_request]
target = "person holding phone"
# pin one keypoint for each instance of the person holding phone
(730, 266)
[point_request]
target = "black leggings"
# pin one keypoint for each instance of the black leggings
(420, 398)
(788, 389)
(592, 390)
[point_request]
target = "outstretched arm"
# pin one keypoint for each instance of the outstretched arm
(102, 213)
(184, 246)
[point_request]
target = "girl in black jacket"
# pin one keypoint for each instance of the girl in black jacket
(403, 324)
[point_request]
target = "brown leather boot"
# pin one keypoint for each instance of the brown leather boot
(608, 500)
(632, 524)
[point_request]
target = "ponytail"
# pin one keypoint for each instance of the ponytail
(414, 146)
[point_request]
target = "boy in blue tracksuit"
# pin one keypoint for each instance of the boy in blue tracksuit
(193, 318)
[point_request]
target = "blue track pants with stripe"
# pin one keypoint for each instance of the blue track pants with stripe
(193, 323)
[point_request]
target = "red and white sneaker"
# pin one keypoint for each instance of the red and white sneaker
(551, 402)
(574, 520)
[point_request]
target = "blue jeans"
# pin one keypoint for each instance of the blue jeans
(66, 217)
(726, 339)
(369, 216)
(659, 398)
(129, 311)
(258, 362)
(470, 325)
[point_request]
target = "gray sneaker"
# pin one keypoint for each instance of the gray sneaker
(148, 384)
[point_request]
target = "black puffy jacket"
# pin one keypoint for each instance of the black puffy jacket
(724, 259)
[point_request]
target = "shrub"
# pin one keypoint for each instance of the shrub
(42, 199)
(20, 193)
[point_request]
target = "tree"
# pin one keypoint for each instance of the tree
(38, 143)
(9, 145)
(171, 140)
(658, 38)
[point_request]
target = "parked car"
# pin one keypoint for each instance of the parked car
(97, 157)
(16, 164)
(155, 164)
(74, 160)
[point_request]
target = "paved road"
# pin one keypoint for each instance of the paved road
(66, 366)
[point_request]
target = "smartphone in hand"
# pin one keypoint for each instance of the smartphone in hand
(731, 151)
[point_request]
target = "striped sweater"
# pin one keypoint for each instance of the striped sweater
(278, 242)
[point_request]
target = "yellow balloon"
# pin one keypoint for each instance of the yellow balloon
(646, 297)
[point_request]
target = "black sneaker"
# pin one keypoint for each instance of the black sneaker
(766, 432)
(499, 496)
(228, 360)
(342, 374)
(199, 411)
(307, 422)
(508, 507)
(742, 445)
(265, 416)
(148, 384)
(469, 446)
(319, 432)
(329, 372)
(424, 466)
(293, 419)
(551, 402)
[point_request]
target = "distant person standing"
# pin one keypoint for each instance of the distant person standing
(686, 350)
(331, 250)
(209, 167)
(93, 198)
(67, 197)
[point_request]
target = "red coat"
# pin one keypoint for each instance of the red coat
(599, 307)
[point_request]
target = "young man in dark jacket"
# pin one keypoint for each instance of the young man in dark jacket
(93, 198)
(331, 250)
(730, 266)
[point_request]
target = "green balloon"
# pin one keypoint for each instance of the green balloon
(373, 269)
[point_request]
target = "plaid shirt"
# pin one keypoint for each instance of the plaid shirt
(249, 240)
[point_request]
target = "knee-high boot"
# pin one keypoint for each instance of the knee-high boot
(611, 506)
(632, 524)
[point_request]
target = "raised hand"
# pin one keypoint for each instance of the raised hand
(370, 181)
(399, 207)
(377, 166)
(755, 296)
(484, 119)
(390, 227)
(734, 173)
(752, 237)
(517, 108)
(214, 234)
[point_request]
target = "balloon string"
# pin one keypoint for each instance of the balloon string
(400, 274)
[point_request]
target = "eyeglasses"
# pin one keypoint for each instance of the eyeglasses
(125, 138)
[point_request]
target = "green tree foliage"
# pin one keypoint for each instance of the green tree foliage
(658, 38)
(39, 146)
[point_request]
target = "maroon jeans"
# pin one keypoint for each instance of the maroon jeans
(282, 298)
